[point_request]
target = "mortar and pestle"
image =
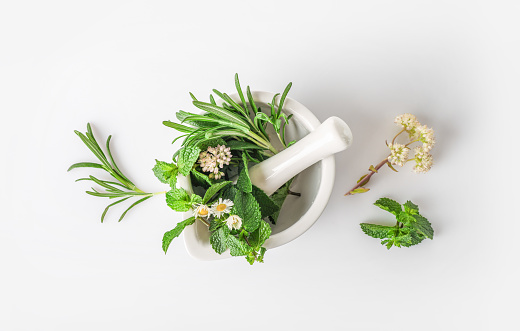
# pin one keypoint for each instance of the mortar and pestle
(310, 159)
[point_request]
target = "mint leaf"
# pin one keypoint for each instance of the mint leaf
(188, 155)
(279, 197)
(229, 192)
(214, 224)
(214, 189)
(267, 206)
(170, 235)
(423, 226)
(166, 172)
(195, 199)
(218, 239)
(200, 179)
(376, 231)
(411, 208)
(260, 235)
(178, 199)
(213, 142)
(248, 210)
(389, 205)
(244, 182)
(405, 218)
(237, 247)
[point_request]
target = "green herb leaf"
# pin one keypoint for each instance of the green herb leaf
(423, 226)
(411, 208)
(166, 172)
(359, 190)
(248, 210)
(86, 165)
(244, 182)
(389, 205)
(267, 206)
(376, 231)
(178, 127)
(241, 145)
(279, 197)
(260, 235)
(214, 189)
(178, 200)
(201, 179)
(237, 247)
(188, 155)
(219, 239)
(170, 235)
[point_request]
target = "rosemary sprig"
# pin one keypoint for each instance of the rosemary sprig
(123, 188)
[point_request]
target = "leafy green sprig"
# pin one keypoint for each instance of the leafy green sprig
(410, 229)
(123, 189)
(242, 123)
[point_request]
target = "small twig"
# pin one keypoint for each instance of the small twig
(367, 177)
(294, 193)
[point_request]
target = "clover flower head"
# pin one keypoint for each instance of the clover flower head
(201, 210)
(407, 121)
(213, 159)
(221, 207)
(398, 154)
(426, 136)
(234, 222)
(423, 160)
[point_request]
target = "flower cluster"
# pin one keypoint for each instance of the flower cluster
(417, 133)
(214, 159)
(399, 154)
(219, 209)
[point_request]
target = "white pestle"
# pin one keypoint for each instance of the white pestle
(331, 137)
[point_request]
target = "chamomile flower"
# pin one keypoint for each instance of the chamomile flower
(399, 154)
(234, 222)
(222, 206)
(201, 210)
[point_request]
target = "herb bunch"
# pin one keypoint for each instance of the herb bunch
(218, 146)
(410, 229)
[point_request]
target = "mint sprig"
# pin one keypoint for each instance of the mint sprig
(410, 229)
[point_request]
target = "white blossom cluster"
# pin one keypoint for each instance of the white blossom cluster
(219, 209)
(417, 132)
(213, 159)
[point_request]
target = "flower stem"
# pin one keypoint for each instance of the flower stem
(393, 140)
(367, 177)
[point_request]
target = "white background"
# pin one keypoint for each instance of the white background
(125, 66)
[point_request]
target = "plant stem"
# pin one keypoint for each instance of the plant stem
(393, 140)
(367, 177)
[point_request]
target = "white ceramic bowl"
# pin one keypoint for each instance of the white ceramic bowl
(298, 214)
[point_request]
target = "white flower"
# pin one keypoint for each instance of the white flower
(399, 154)
(423, 160)
(426, 136)
(221, 207)
(213, 159)
(201, 210)
(234, 222)
(407, 121)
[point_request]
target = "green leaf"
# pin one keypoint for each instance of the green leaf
(166, 172)
(423, 226)
(170, 235)
(230, 192)
(194, 198)
(279, 197)
(241, 145)
(222, 113)
(282, 99)
(375, 230)
(411, 208)
(218, 239)
(178, 200)
(211, 143)
(110, 205)
(389, 205)
(260, 235)
(214, 189)
(391, 166)
(201, 179)
(371, 168)
(178, 127)
(248, 210)
(244, 182)
(405, 218)
(358, 190)
(187, 158)
(214, 224)
(237, 247)
(85, 165)
(267, 206)
(132, 206)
